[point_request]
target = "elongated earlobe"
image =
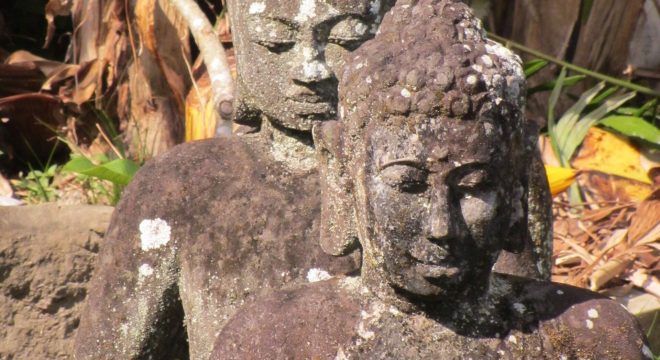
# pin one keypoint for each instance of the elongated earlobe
(338, 231)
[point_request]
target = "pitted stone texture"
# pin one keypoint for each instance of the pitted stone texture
(241, 226)
(552, 326)
(440, 68)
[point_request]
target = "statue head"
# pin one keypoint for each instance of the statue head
(288, 54)
(427, 165)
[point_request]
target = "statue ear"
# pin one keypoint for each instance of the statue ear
(517, 236)
(338, 232)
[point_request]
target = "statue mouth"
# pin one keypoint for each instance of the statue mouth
(307, 105)
(436, 271)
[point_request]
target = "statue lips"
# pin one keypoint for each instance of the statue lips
(433, 261)
(311, 104)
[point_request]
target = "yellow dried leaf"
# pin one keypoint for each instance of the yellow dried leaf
(608, 153)
(200, 115)
(559, 178)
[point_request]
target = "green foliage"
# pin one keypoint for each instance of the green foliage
(119, 172)
(633, 126)
(37, 185)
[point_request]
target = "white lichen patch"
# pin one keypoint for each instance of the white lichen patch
(361, 28)
(257, 8)
(374, 7)
(592, 313)
(590, 324)
(647, 352)
(306, 11)
(315, 275)
(145, 270)
(405, 93)
(154, 233)
(471, 79)
(512, 339)
(487, 61)
(520, 308)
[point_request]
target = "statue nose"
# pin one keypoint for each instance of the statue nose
(440, 224)
(311, 66)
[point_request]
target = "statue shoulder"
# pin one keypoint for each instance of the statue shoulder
(582, 324)
(309, 321)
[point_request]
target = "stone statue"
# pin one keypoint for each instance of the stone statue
(427, 167)
(212, 225)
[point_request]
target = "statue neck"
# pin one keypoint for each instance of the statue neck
(293, 149)
(475, 312)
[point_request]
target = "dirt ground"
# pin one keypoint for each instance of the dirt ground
(47, 256)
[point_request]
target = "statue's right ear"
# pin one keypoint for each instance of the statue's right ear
(338, 232)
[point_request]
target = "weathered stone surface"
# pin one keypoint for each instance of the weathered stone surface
(230, 218)
(433, 170)
(47, 255)
(542, 321)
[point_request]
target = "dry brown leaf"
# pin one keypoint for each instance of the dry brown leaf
(649, 283)
(645, 218)
(55, 8)
(652, 236)
(144, 18)
(579, 250)
(602, 188)
(547, 153)
(611, 269)
(601, 213)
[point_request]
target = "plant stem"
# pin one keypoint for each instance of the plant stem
(593, 74)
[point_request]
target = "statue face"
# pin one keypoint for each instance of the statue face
(433, 198)
(289, 52)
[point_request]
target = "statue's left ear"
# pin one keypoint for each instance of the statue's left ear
(338, 231)
(518, 234)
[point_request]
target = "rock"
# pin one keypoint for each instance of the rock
(47, 255)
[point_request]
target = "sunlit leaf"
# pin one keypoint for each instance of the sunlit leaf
(118, 171)
(605, 152)
(577, 132)
(634, 127)
(566, 123)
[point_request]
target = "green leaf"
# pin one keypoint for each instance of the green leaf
(604, 95)
(119, 172)
(579, 131)
(567, 122)
(552, 102)
(568, 82)
(634, 127)
(533, 66)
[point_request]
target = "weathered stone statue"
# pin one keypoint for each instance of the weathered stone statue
(212, 225)
(427, 167)
(218, 222)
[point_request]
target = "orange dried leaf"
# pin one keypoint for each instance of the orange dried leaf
(608, 153)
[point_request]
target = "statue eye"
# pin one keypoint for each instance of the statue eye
(349, 33)
(405, 178)
(474, 179)
(274, 35)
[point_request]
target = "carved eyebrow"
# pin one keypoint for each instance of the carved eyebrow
(410, 161)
